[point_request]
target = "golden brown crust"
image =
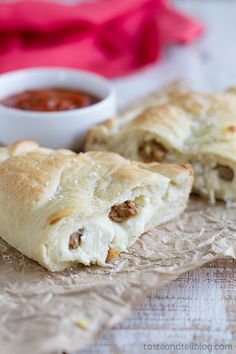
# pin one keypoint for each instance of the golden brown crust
(22, 146)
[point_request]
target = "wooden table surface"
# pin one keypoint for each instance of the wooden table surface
(200, 306)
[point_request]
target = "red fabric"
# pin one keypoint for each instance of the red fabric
(111, 37)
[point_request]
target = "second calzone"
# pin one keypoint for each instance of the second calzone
(197, 128)
(61, 208)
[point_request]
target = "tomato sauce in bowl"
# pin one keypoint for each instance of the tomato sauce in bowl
(53, 106)
(50, 100)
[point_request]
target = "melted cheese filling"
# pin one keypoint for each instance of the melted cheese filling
(208, 182)
(100, 233)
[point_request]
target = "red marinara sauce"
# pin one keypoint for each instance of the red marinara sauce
(50, 100)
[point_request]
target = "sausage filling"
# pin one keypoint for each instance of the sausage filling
(112, 254)
(75, 239)
(152, 151)
(123, 212)
(225, 172)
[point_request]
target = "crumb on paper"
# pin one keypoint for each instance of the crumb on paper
(83, 323)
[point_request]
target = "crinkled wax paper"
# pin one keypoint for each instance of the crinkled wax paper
(43, 312)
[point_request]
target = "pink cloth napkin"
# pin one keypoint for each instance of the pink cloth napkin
(105, 36)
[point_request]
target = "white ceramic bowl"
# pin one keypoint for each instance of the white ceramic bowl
(64, 129)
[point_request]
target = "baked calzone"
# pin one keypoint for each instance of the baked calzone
(59, 207)
(187, 127)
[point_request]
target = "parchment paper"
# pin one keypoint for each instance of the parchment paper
(43, 312)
